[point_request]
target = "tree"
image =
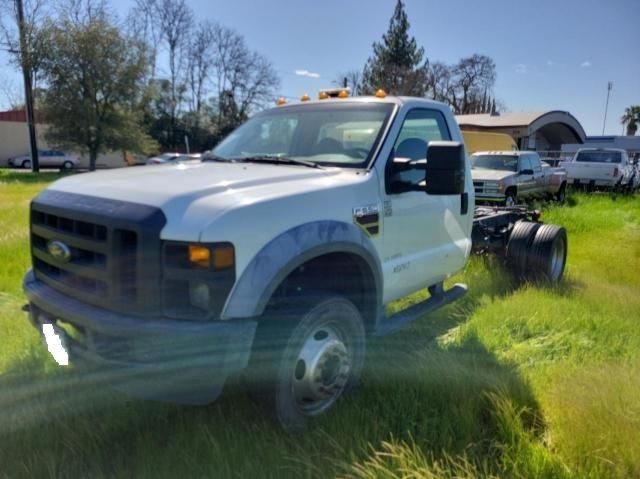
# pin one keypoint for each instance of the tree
(143, 23)
(465, 86)
(353, 80)
(35, 11)
(631, 118)
(200, 53)
(243, 80)
(473, 75)
(175, 19)
(94, 76)
(398, 65)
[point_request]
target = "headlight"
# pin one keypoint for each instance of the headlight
(491, 186)
(197, 277)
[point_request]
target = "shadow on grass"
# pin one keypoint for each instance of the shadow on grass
(414, 388)
(441, 398)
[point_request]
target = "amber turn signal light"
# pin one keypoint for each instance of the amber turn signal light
(199, 256)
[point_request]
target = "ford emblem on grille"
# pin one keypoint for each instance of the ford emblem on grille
(59, 250)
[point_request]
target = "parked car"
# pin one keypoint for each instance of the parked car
(510, 176)
(276, 254)
(606, 168)
(47, 158)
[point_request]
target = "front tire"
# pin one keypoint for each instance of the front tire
(561, 195)
(67, 166)
(511, 198)
(307, 355)
(26, 164)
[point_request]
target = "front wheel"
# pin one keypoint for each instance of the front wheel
(26, 164)
(511, 199)
(561, 195)
(307, 355)
(67, 165)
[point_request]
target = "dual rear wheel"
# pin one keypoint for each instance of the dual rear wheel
(537, 252)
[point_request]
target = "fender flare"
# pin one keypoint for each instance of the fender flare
(286, 252)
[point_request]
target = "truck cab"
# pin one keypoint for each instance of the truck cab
(295, 231)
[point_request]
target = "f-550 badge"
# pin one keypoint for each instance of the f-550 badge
(368, 218)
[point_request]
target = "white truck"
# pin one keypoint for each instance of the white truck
(275, 255)
(607, 168)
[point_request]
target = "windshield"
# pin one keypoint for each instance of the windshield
(495, 162)
(343, 134)
(599, 156)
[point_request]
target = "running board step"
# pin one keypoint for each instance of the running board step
(437, 300)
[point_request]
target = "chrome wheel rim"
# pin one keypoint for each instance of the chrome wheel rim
(510, 201)
(321, 370)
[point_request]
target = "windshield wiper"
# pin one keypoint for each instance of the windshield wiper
(282, 160)
(217, 158)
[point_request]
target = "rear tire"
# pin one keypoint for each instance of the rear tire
(306, 356)
(67, 166)
(548, 254)
(518, 248)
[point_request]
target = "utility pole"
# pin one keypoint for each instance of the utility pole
(28, 93)
(606, 107)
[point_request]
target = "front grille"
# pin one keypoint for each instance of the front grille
(108, 266)
(478, 186)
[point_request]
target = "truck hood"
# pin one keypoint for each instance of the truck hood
(158, 184)
(484, 174)
(194, 194)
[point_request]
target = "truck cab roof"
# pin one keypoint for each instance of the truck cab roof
(396, 100)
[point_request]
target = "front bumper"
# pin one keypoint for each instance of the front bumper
(490, 197)
(162, 359)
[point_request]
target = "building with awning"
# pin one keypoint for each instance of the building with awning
(539, 131)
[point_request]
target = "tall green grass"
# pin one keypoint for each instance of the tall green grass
(508, 382)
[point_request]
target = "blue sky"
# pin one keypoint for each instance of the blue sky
(550, 54)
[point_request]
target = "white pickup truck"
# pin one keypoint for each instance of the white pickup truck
(276, 254)
(608, 168)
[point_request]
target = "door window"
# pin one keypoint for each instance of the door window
(535, 162)
(525, 163)
(418, 129)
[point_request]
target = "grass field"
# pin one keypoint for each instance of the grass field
(508, 382)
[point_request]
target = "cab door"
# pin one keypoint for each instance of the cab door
(421, 234)
(538, 174)
(526, 182)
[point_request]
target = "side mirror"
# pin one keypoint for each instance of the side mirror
(526, 172)
(445, 168)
